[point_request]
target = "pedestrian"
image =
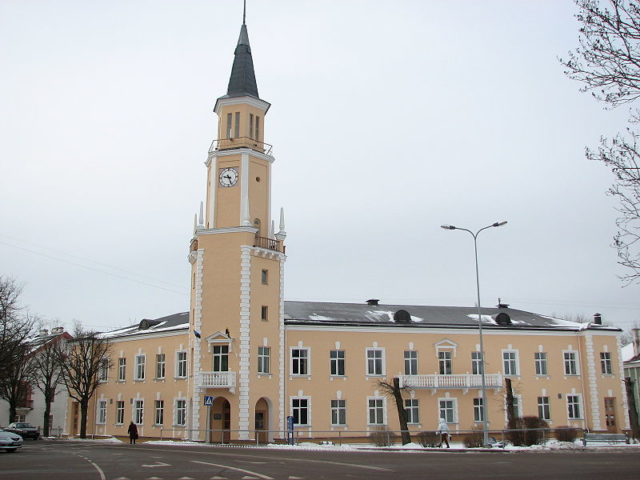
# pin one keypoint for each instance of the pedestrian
(133, 433)
(443, 428)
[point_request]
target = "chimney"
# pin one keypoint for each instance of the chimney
(373, 301)
(636, 340)
(57, 330)
(597, 319)
(44, 332)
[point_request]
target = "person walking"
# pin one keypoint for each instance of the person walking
(443, 428)
(133, 433)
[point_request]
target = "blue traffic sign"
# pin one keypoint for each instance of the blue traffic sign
(208, 400)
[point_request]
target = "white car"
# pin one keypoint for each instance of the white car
(9, 441)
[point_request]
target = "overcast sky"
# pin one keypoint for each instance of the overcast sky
(388, 119)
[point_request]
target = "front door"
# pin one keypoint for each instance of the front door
(610, 413)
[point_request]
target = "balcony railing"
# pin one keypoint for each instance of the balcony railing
(216, 380)
(240, 142)
(492, 380)
(269, 244)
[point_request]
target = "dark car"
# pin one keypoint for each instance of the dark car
(10, 442)
(25, 430)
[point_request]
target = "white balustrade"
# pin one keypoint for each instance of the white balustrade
(493, 380)
(217, 379)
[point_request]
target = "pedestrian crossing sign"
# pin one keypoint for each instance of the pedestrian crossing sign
(208, 400)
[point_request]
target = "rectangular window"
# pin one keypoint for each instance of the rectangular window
(516, 406)
(299, 361)
(573, 406)
(138, 412)
(336, 357)
(120, 412)
(605, 363)
(102, 412)
(510, 361)
(237, 127)
(264, 313)
(181, 364)
(411, 407)
(251, 125)
(543, 408)
(570, 363)
(410, 362)
(476, 363)
(478, 411)
(257, 128)
(375, 364)
(376, 411)
(103, 373)
(122, 369)
(229, 127)
(338, 412)
(221, 358)
(540, 359)
(160, 365)
(159, 414)
(264, 355)
(265, 277)
(181, 412)
(447, 409)
(300, 411)
(139, 372)
(444, 363)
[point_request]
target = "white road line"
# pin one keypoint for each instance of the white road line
(102, 476)
(249, 472)
(157, 464)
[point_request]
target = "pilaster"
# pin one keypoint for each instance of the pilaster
(593, 384)
(245, 341)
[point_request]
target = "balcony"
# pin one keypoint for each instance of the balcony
(240, 142)
(465, 381)
(268, 244)
(216, 380)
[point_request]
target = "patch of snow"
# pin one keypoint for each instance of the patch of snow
(98, 440)
(314, 316)
(627, 352)
(177, 443)
(485, 318)
(416, 319)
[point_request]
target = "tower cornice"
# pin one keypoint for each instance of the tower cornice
(237, 151)
(241, 100)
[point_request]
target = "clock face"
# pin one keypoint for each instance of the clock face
(228, 177)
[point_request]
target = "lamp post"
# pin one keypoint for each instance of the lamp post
(485, 410)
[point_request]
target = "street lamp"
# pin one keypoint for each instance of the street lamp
(485, 410)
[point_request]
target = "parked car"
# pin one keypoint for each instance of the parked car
(10, 442)
(25, 430)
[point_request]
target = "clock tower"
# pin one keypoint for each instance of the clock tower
(237, 266)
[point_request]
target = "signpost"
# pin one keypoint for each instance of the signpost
(290, 423)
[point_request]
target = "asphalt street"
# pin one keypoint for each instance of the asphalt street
(69, 460)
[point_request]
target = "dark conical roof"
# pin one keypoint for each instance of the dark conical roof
(243, 77)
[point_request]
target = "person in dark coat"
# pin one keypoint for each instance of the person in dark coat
(133, 433)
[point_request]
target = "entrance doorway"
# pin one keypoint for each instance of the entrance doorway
(262, 421)
(220, 423)
(610, 413)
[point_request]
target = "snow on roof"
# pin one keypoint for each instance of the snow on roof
(628, 352)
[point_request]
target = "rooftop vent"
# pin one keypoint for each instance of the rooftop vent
(402, 316)
(57, 330)
(146, 324)
(44, 332)
(597, 319)
(503, 319)
(373, 301)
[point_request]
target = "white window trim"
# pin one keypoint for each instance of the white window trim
(384, 411)
(135, 409)
(580, 405)
(610, 362)
(301, 397)
(122, 369)
(455, 408)
(186, 365)
(102, 409)
(331, 412)
(538, 397)
(308, 374)
(123, 409)
(336, 361)
(517, 352)
(268, 357)
(155, 412)
(384, 363)
(576, 360)
(418, 407)
(417, 360)
(175, 412)
(536, 362)
(135, 367)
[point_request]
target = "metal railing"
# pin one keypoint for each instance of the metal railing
(450, 381)
(240, 142)
(216, 379)
(268, 244)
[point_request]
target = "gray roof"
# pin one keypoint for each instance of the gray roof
(243, 78)
(177, 321)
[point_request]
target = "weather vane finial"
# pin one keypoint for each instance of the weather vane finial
(244, 12)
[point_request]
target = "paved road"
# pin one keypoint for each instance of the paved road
(68, 460)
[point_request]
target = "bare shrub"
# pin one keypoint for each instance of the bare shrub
(474, 439)
(429, 439)
(382, 438)
(566, 434)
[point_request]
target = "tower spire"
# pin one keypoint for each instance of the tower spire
(244, 13)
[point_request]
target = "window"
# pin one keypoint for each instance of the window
(181, 364)
(605, 363)
(375, 365)
(265, 277)
(410, 362)
(543, 408)
(478, 411)
(102, 412)
(570, 363)
(160, 365)
(120, 412)
(338, 412)
(138, 412)
(510, 361)
(411, 406)
(264, 313)
(300, 410)
(573, 405)
(122, 369)
(251, 125)
(103, 373)
(476, 363)
(229, 120)
(300, 361)
(264, 354)
(181, 412)
(139, 371)
(540, 359)
(337, 362)
(376, 411)
(448, 409)
(221, 358)
(237, 126)
(516, 406)
(444, 362)
(257, 128)
(159, 414)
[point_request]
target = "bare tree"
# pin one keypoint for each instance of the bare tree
(607, 63)
(395, 390)
(82, 360)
